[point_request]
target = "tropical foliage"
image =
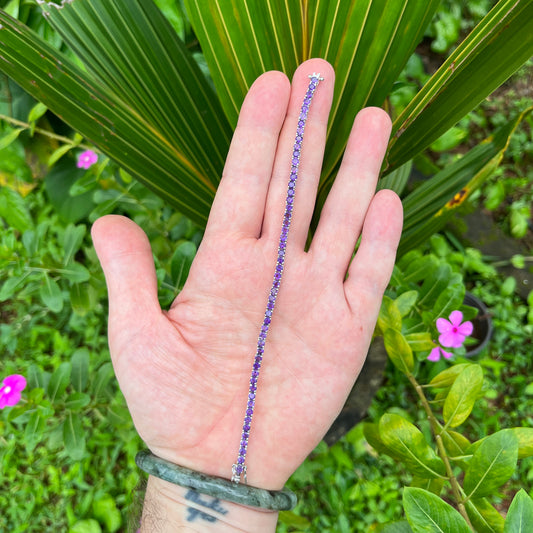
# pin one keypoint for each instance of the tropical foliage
(141, 98)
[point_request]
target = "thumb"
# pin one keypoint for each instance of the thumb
(126, 258)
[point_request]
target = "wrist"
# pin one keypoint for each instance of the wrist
(168, 506)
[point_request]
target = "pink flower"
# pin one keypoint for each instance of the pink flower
(452, 332)
(11, 389)
(87, 159)
(436, 353)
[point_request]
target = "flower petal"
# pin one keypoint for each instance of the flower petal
(466, 328)
(451, 339)
(456, 318)
(443, 325)
(16, 382)
(434, 354)
(446, 354)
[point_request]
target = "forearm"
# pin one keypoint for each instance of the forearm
(170, 508)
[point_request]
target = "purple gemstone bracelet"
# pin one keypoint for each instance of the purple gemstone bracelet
(239, 468)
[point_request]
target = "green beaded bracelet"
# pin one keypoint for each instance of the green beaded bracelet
(273, 500)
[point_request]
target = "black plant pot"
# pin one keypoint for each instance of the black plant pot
(482, 323)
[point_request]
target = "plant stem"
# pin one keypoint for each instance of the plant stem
(51, 135)
(437, 429)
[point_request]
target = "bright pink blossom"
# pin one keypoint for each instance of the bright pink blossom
(436, 353)
(87, 159)
(10, 390)
(453, 332)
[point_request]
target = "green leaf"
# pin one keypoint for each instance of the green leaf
(10, 137)
(524, 437)
(106, 511)
(86, 526)
(399, 351)
(427, 513)
(36, 112)
(143, 101)
(293, 520)
(72, 239)
(13, 210)
(371, 433)
(407, 443)
(455, 443)
(436, 200)
(57, 185)
(59, 381)
(74, 436)
(451, 298)
(462, 396)
(492, 464)
(525, 441)
(400, 526)
(11, 285)
(368, 50)
(77, 401)
(74, 272)
(420, 342)
(80, 298)
(406, 301)
(483, 516)
(33, 432)
(450, 139)
(447, 377)
(495, 49)
(520, 514)
(389, 315)
(181, 262)
(397, 179)
(102, 379)
(51, 294)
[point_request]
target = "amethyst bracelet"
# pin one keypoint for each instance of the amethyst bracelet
(239, 468)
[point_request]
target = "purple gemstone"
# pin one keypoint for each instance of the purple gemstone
(290, 200)
(246, 428)
(249, 412)
(238, 470)
(248, 420)
(257, 366)
(255, 375)
(242, 451)
(240, 461)
(251, 396)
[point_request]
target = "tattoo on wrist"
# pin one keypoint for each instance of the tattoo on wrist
(212, 504)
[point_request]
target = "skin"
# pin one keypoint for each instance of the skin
(184, 372)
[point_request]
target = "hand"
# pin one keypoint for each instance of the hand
(185, 372)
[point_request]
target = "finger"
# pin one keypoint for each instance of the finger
(372, 266)
(126, 258)
(239, 204)
(354, 187)
(311, 156)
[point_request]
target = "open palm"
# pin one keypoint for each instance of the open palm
(184, 372)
